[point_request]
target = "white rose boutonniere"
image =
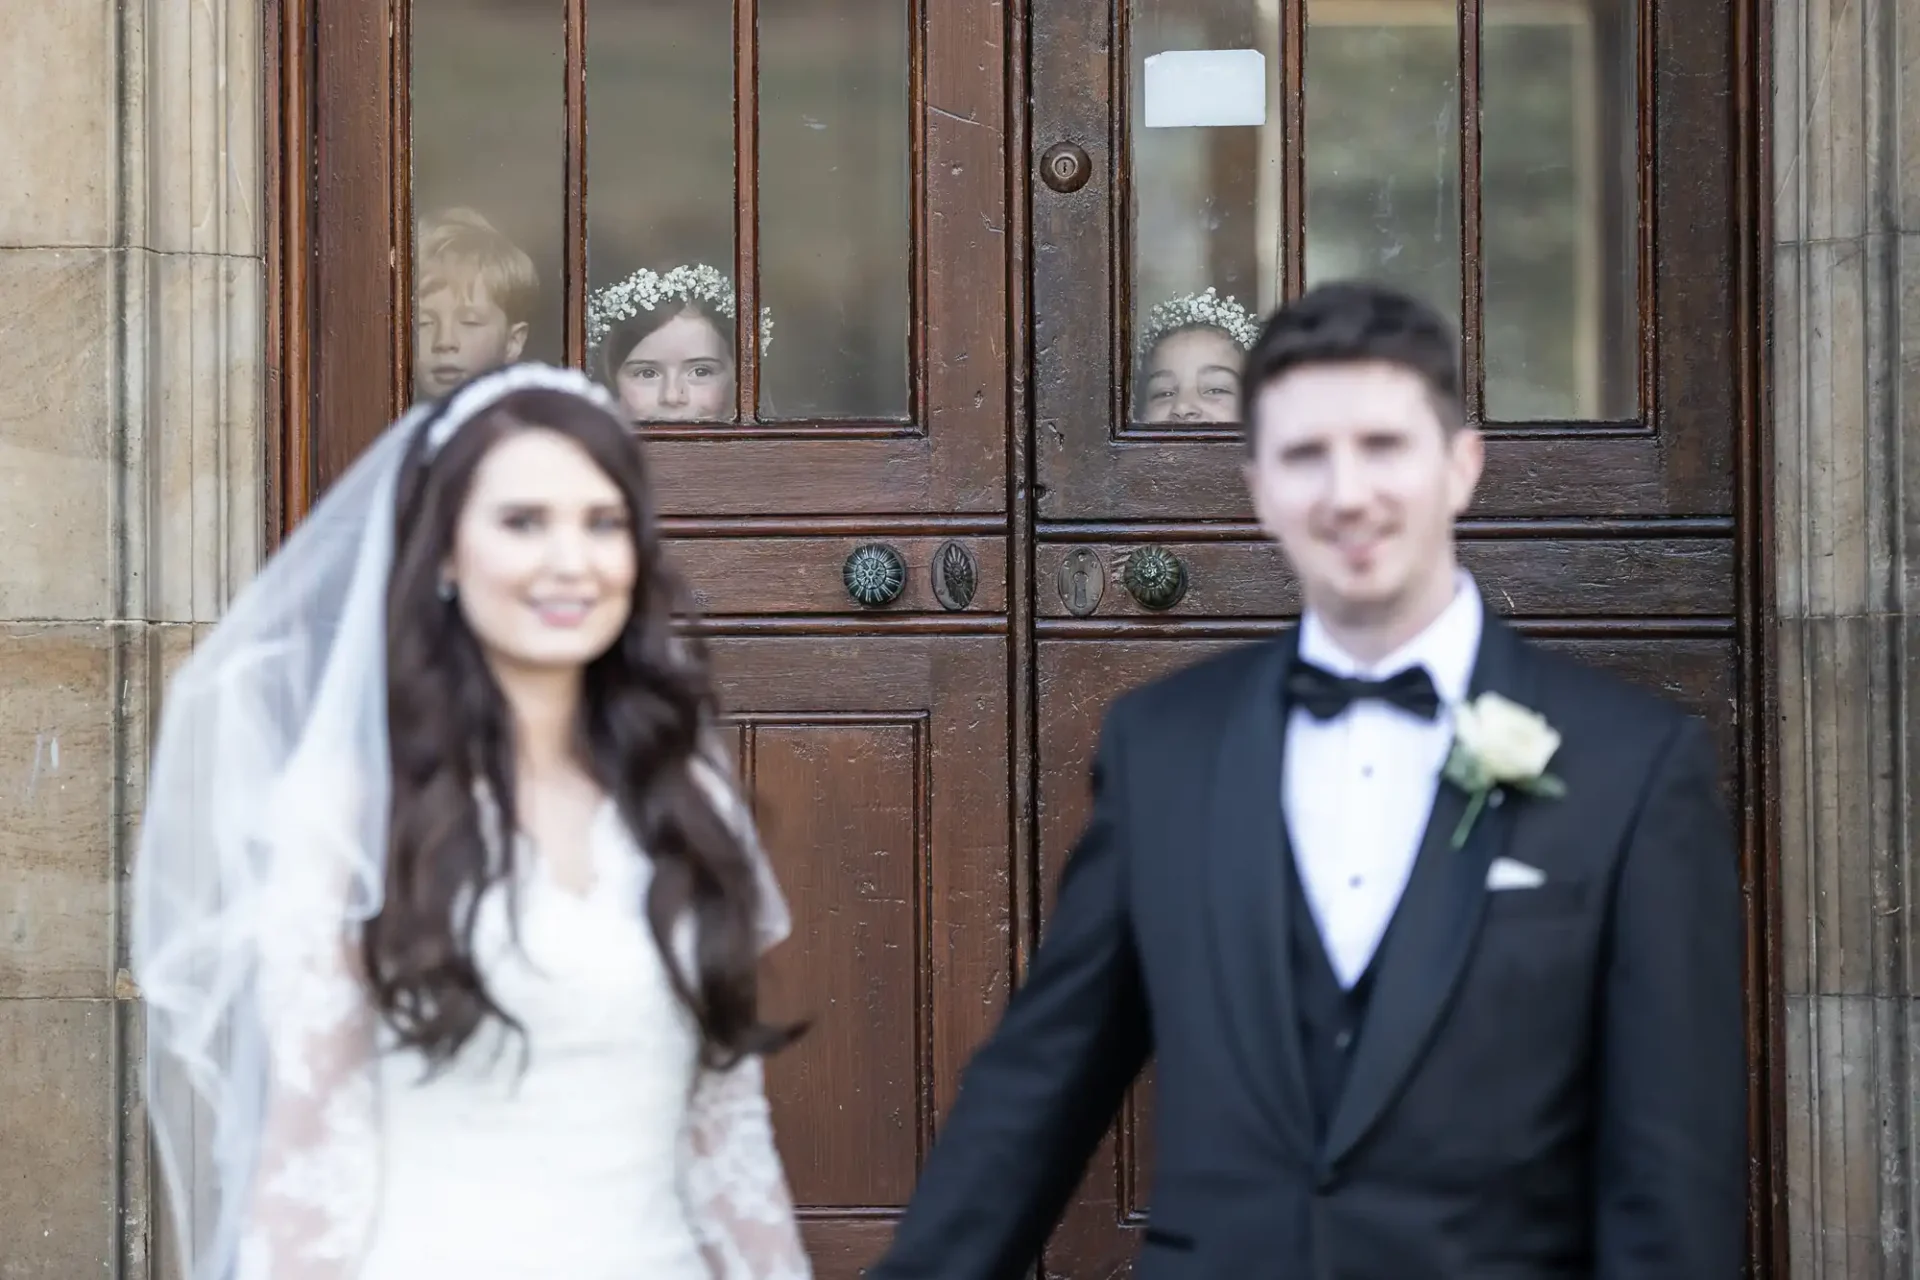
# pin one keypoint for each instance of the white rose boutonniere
(1499, 745)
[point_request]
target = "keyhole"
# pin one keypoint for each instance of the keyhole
(1065, 167)
(1080, 579)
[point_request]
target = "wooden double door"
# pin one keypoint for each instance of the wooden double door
(943, 526)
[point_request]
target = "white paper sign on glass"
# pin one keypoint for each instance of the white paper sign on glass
(1206, 89)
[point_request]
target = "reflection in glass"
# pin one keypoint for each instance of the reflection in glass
(1207, 236)
(1383, 146)
(488, 131)
(1560, 204)
(835, 174)
(660, 206)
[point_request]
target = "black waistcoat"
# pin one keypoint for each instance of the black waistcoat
(1330, 1017)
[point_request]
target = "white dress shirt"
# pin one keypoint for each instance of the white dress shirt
(1358, 788)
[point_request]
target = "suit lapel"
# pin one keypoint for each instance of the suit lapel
(1249, 895)
(1433, 928)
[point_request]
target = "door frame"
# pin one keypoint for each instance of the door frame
(304, 318)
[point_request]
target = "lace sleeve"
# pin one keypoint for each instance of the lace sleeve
(735, 1187)
(736, 1190)
(310, 1202)
(772, 920)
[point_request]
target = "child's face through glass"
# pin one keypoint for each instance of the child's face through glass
(681, 372)
(1193, 375)
(459, 331)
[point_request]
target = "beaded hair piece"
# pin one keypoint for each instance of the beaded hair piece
(1197, 310)
(474, 398)
(648, 291)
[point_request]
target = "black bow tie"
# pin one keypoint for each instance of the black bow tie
(1325, 695)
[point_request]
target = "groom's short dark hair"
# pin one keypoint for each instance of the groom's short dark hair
(1350, 322)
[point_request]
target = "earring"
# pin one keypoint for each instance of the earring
(447, 590)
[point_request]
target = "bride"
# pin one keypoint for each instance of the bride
(446, 908)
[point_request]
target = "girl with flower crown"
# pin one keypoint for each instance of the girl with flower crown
(1189, 358)
(664, 343)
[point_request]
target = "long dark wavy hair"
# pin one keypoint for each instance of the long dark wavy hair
(646, 709)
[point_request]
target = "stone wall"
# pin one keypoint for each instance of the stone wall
(131, 471)
(1846, 361)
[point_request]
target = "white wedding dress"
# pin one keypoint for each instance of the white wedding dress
(594, 1148)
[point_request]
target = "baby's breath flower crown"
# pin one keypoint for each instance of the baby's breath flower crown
(648, 291)
(1191, 310)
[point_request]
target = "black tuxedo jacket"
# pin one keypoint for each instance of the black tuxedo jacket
(1550, 1081)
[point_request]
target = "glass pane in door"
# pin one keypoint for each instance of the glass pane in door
(835, 187)
(488, 134)
(1560, 208)
(660, 207)
(1205, 163)
(1383, 145)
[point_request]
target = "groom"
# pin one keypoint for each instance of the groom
(1433, 994)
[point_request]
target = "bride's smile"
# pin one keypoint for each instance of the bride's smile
(543, 561)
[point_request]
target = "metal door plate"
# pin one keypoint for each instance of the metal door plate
(1081, 581)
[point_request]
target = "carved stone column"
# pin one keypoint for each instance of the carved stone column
(131, 390)
(1846, 422)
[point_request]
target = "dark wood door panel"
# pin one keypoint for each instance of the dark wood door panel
(733, 575)
(956, 466)
(1699, 673)
(1567, 577)
(1077, 681)
(880, 773)
(1551, 472)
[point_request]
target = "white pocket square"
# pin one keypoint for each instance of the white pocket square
(1505, 873)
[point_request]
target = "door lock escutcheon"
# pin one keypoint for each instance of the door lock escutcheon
(1065, 167)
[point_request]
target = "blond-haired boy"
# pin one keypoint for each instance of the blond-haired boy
(474, 296)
